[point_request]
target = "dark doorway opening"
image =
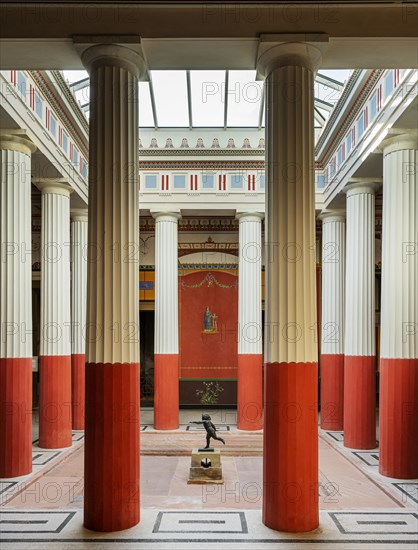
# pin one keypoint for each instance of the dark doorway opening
(146, 320)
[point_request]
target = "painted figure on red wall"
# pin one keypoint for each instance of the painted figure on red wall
(207, 320)
(214, 322)
(210, 321)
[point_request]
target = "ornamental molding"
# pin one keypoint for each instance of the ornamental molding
(185, 149)
(209, 279)
(53, 102)
(202, 165)
(208, 246)
(201, 152)
(195, 224)
(59, 79)
(358, 104)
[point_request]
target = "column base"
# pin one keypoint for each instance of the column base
(111, 456)
(78, 390)
(398, 425)
(360, 402)
(166, 391)
(250, 392)
(290, 484)
(332, 392)
(15, 417)
(55, 430)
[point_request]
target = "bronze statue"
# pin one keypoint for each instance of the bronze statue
(210, 429)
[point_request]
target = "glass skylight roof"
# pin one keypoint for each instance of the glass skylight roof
(170, 93)
(245, 96)
(146, 116)
(210, 99)
(207, 89)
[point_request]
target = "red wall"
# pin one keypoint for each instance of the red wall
(208, 355)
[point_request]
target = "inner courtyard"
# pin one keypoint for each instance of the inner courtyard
(208, 276)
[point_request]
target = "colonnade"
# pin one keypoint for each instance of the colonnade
(111, 362)
(349, 367)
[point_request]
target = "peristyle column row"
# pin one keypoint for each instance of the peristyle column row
(398, 421)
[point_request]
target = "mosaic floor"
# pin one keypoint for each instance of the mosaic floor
(191, 529)
(359, 507)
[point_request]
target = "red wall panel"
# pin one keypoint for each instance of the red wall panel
(202, 354)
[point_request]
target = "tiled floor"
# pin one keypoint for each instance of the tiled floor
(359, 508)
(209, 530)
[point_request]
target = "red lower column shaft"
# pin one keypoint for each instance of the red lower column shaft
(166, 391)
(250, 391)
(55, 422)
(15, 417)
(112, 446)
(398, 418)
(360, 402)
(78, 390)
(290, 487)
(332, 392)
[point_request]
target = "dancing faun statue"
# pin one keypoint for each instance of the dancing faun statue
(210, 429)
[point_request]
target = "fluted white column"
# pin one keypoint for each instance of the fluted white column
(78, 314)
(249, 322)
(291, 354)
(111, 487)
(166, 342)
(15, 304)
(55, 340)
(332, 324)
(360, 330)
(398, 425)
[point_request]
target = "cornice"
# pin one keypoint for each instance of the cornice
(195, 224)
(350, 117)
(71, 99)
(200, 152)
(202, 165)
(59, 111)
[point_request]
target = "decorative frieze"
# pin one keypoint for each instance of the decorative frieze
(194, 224)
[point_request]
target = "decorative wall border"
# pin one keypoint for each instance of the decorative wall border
(202, 165)
(53, 101)
(350, 118)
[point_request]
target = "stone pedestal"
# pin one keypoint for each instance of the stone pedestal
(206, 467)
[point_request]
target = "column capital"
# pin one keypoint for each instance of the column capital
(169, 216)
(16, 140)
(358, 186)
(56, 186)
(399, 139)
(115, 50)
(328, 216)
(79, 214)
(246, 216)
(281, 50)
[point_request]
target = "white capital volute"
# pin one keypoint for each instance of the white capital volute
(281, 50)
